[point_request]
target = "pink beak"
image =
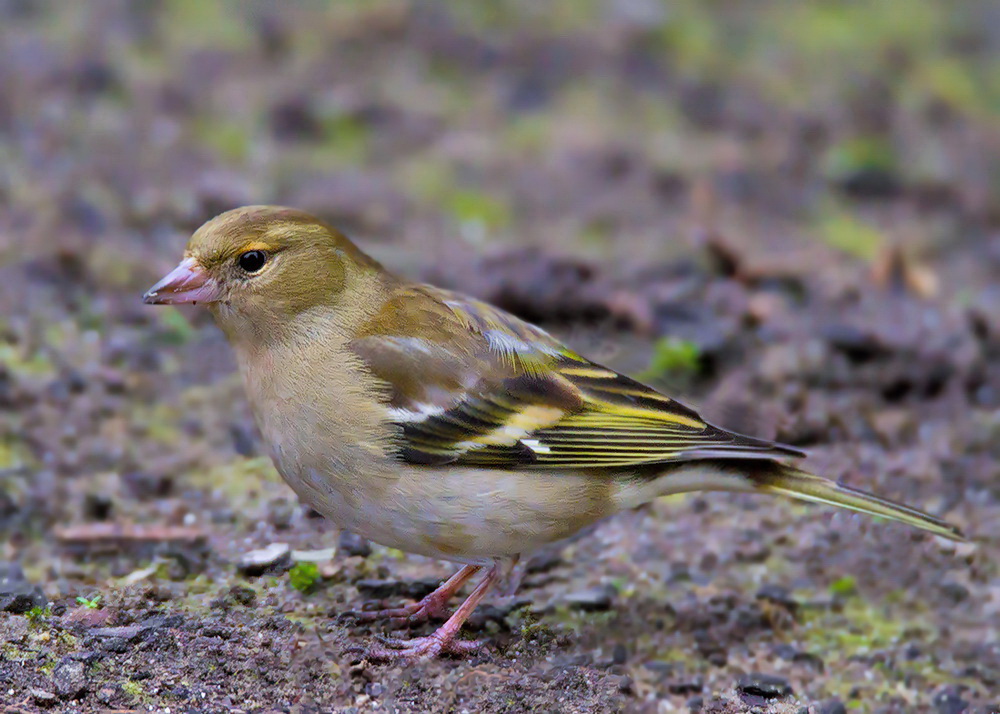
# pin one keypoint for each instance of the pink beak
(187, 283)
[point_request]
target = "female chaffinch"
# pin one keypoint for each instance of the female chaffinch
(437, 424)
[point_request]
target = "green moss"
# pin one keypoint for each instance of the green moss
(477, 207)
(860, 628)
(241, 480)
(346, 141)
(12, 653)
(135, 690)
(304, 576)
(217, 25)
(428, 178)
(845, 232)
(35, 364)
(671, 356)
(230, 138)
(843, 586)
(860, 153)
(38, 618)
(175, 329)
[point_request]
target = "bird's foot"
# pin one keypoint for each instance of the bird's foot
(388, 649)
(432, 606)
(427, 609)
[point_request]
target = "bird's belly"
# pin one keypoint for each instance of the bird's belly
(460, 514)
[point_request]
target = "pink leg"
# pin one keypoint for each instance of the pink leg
(442, 640)
(431, 606)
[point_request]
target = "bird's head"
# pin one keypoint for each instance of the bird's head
(260, 267)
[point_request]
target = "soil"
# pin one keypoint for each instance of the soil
(787, 215)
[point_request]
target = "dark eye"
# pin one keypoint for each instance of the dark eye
(252, 260)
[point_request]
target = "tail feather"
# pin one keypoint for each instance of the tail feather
(782, 479)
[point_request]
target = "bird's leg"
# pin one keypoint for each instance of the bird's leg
(443, 639)
(515, 575)
(430, 606)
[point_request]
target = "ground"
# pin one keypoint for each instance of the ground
(787, 214)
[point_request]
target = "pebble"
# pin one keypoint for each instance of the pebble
(351, 544)
(779, 596)
(830, 706)
(116, 645)
(767, 686)
(17, 595)
(69, 679)
(381, 589)
(14, 629)
(949, 701)
(275, 557)
(105, 695)
(243, 595)
(42, 697)
(281, 512)
(594, 599)
(690, 685)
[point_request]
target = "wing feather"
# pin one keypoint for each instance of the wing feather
(471, 384)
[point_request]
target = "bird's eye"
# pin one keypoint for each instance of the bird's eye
(252, 261)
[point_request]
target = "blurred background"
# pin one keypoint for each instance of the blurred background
(788, 213)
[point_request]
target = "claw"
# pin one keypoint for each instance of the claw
(393, 648)
(431, 607)
(443, 640)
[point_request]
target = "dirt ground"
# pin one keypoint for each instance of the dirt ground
(787, 213)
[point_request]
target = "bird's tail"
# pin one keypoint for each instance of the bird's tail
(783, 479)
(757, 475)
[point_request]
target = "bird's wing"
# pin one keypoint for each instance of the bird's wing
(471, 384)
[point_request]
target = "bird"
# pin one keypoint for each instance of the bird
(438, 424)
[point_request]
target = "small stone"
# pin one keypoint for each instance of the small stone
(41, 697)
(956, 592)
(694, 704)
(544, 561)
(382, 589)
(69, 679)
(127, 633)
(280, 513)
(274, 558)
(13, 629)
(596, 599)
(323, 555)
(351, 544)
(243, 595)
(619, 654)
(17, 595)
(949, 701)
(374, 689)
(105, 695)
(88, 616)
(117, 645)
(690, 685)
(767, 686)
(88, 657)
(236, 595)
(830, 706)
(717, 658)
(779, 596)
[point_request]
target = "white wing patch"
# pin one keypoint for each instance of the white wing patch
(420, 412)
(520, 425)
(505, 343)
(536, 446)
